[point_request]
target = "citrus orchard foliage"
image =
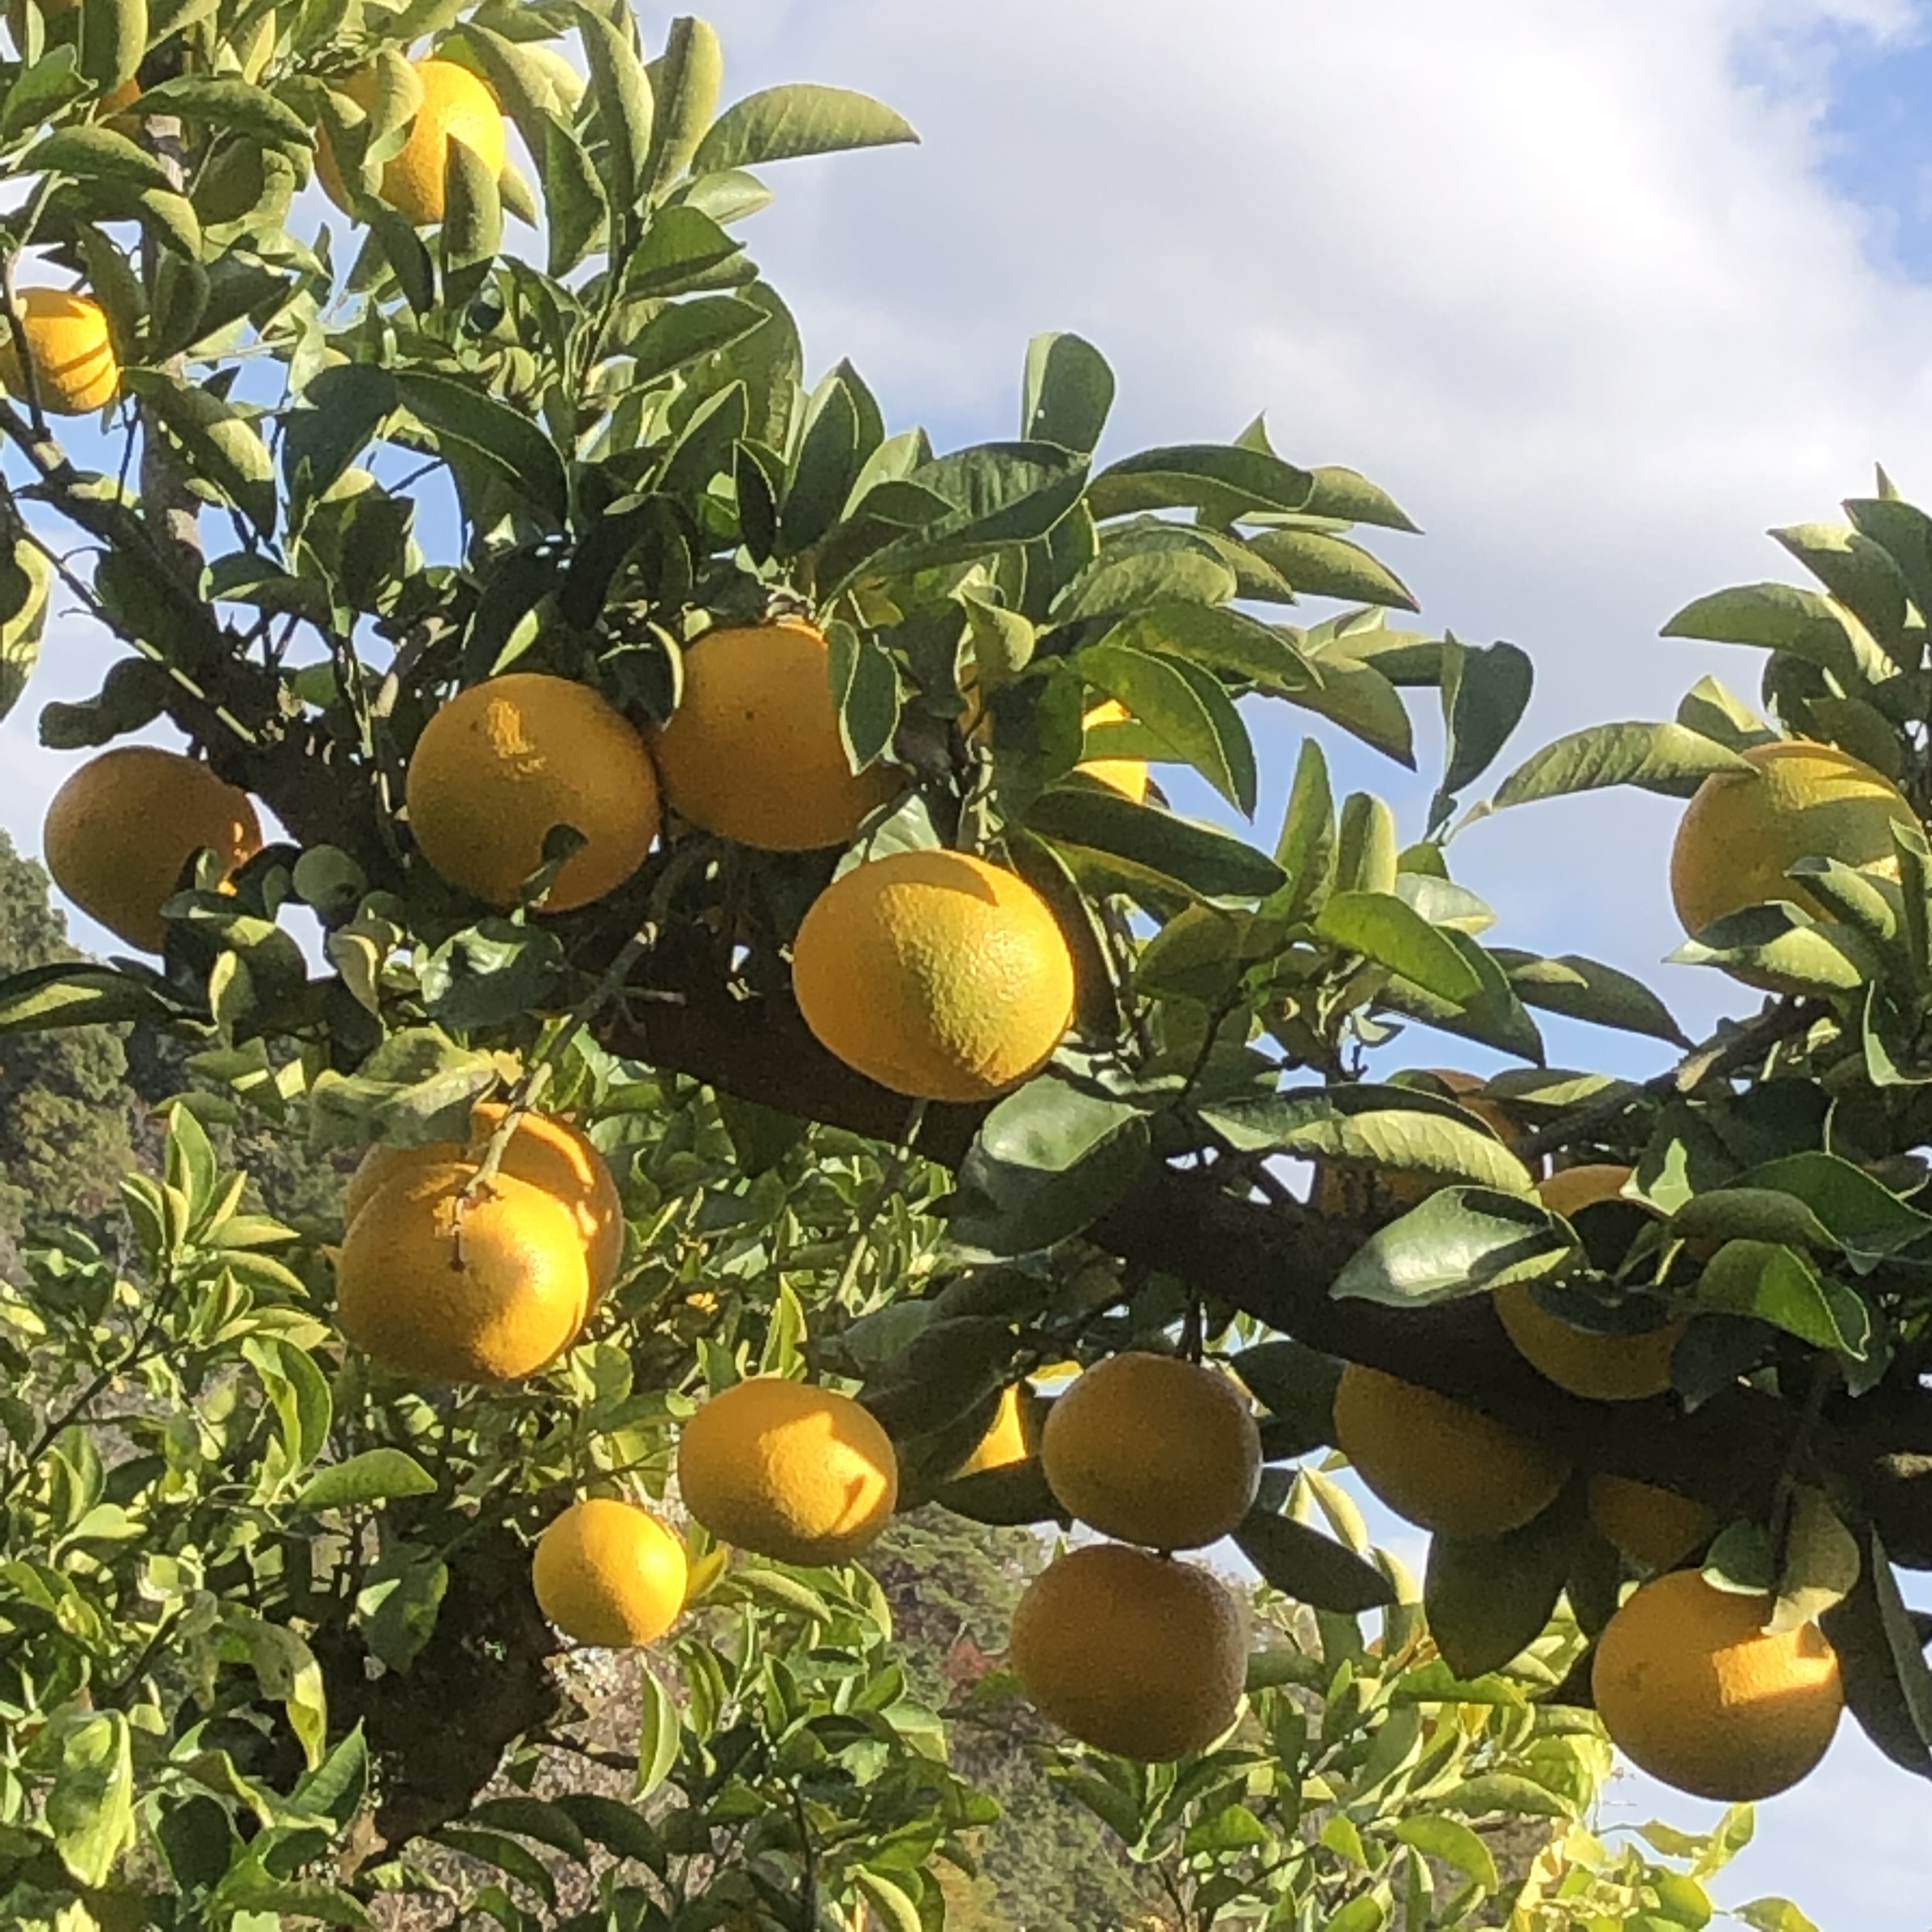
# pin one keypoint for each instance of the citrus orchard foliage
(727, 816)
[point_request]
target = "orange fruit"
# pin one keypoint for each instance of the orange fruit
(456, 106)
(1601, 1368)
(935, 973)
(753, 752)
(503, 764)
(483, 1291)
(1131, 1652)
(120, 828)
(1740, 834)
(1693, 1689)
(1444, 1466)
(75, 370)
(788, 1470)
(1154, 1451)
(1652, 1526)
(548, 1153)
(610, 1573)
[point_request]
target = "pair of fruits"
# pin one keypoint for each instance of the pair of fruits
(782, 1468)
(446, 1276)
(1118, 1644)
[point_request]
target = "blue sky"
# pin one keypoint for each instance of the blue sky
(1601, 290)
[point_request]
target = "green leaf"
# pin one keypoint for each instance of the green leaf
(866, 688)
(1863, 1216)
(1586, 989)
(374, 1476)
(503, 438)
(1112, 584)
(889, 1903)
(25, 586)
(113, 37)
(1882, 1660)
(1313, 1569)
(505, 1853)
(1460, 1240)
(1741, 1213)
(659, 1735)
(69, 995)
(1359, 698)
(1199, 858)
(685, 82)
(1485, 691)
(687, 331)
(1450, 1843)
(625, 1833)
(40, 88)
(1782, 946)
(1774, 1284)
(1296, 1385)
(780, 124)
(1906, 532)
(1401, 1128)
(1774, 616)
(683, 248)
(222, 447)
(228, 102)
(1858, 571)
(1665, 758)
(1508, 1792)
(531, 1818)
(1713, 711)
(97, 154)
(1319, 564)
(1048, 1161)
(489, 973)
(472, 221)
(625, 111)
(1306, 850)
(1186, 708)
(1381, 927)
(1772, 1915)
(1348, 496)
(1821, 1561)
(1068, 391)
(1224, 481)
(1487, 1600)
(575, 207)
(90, 1807)
(1220, 640)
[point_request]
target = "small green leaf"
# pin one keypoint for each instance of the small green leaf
(1774, 616)
(1306, 850)
(1381, 927)
(685, 82)
(1319, 564)
(659, 1735)
(1313, 1569)
(90, 1807)
(375, 1476)
(780, 124)
(1223, 480)
(1186, 708)
(1781, 945)
(1460, 1240)
(866, 688)
(1451, 1843)
(1200, 858)
(1665, 758)
(1777, 1285)
(1488, 1600)
(625, 111)
(1821, 1564)
(1586, 989)
(1068, 390)
(113, 37)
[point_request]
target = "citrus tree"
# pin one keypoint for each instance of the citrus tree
(696, 851)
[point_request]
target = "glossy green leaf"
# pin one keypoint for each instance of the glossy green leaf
(90, 1808)
(1319, 564)
(1777, 1285)
(1586, 989)
(1665, 758)
(1450, 1842)
(1460, 1240)
(1222, 479)
(1774, 616)
(1068, 391)
(779, 123)
(1311, 1568)
(1187, 709)
(1488, 1600)
(113, 37)
(1202, 859)
(373, 1477)
(685, 80)
(626, 111)
(1381, 927)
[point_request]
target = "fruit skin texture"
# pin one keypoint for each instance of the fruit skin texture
(1130, 1652)
(548, 1153)
(787, 1470)
(515, 1300)
(608, 1572)
(504, 762)
(1151, 1450)
(1600, 1368)
(1739, 834)
(119, 831)
(1444, 1467)
(1692, 1690)
(1652, 1526)
(753, 752)
(456, 106)
(75, 370)
(1009, 1435)
(935, 973)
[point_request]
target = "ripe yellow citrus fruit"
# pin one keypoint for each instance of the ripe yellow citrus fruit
(1602, 1368)
(788, 1470)
(1740, 834)
(1009, 1436)
(482, 1291)
(753, 752)
(75, 370)
(119, 831)
(548, 1153)
(608, 1572)
(1445, 1467)
(1693, 1690)
(456, 106)
(1127, 776)
(935, 973)
(1131, 1652)
(503, 764)
(1151, 1450)
(1652, 1526)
